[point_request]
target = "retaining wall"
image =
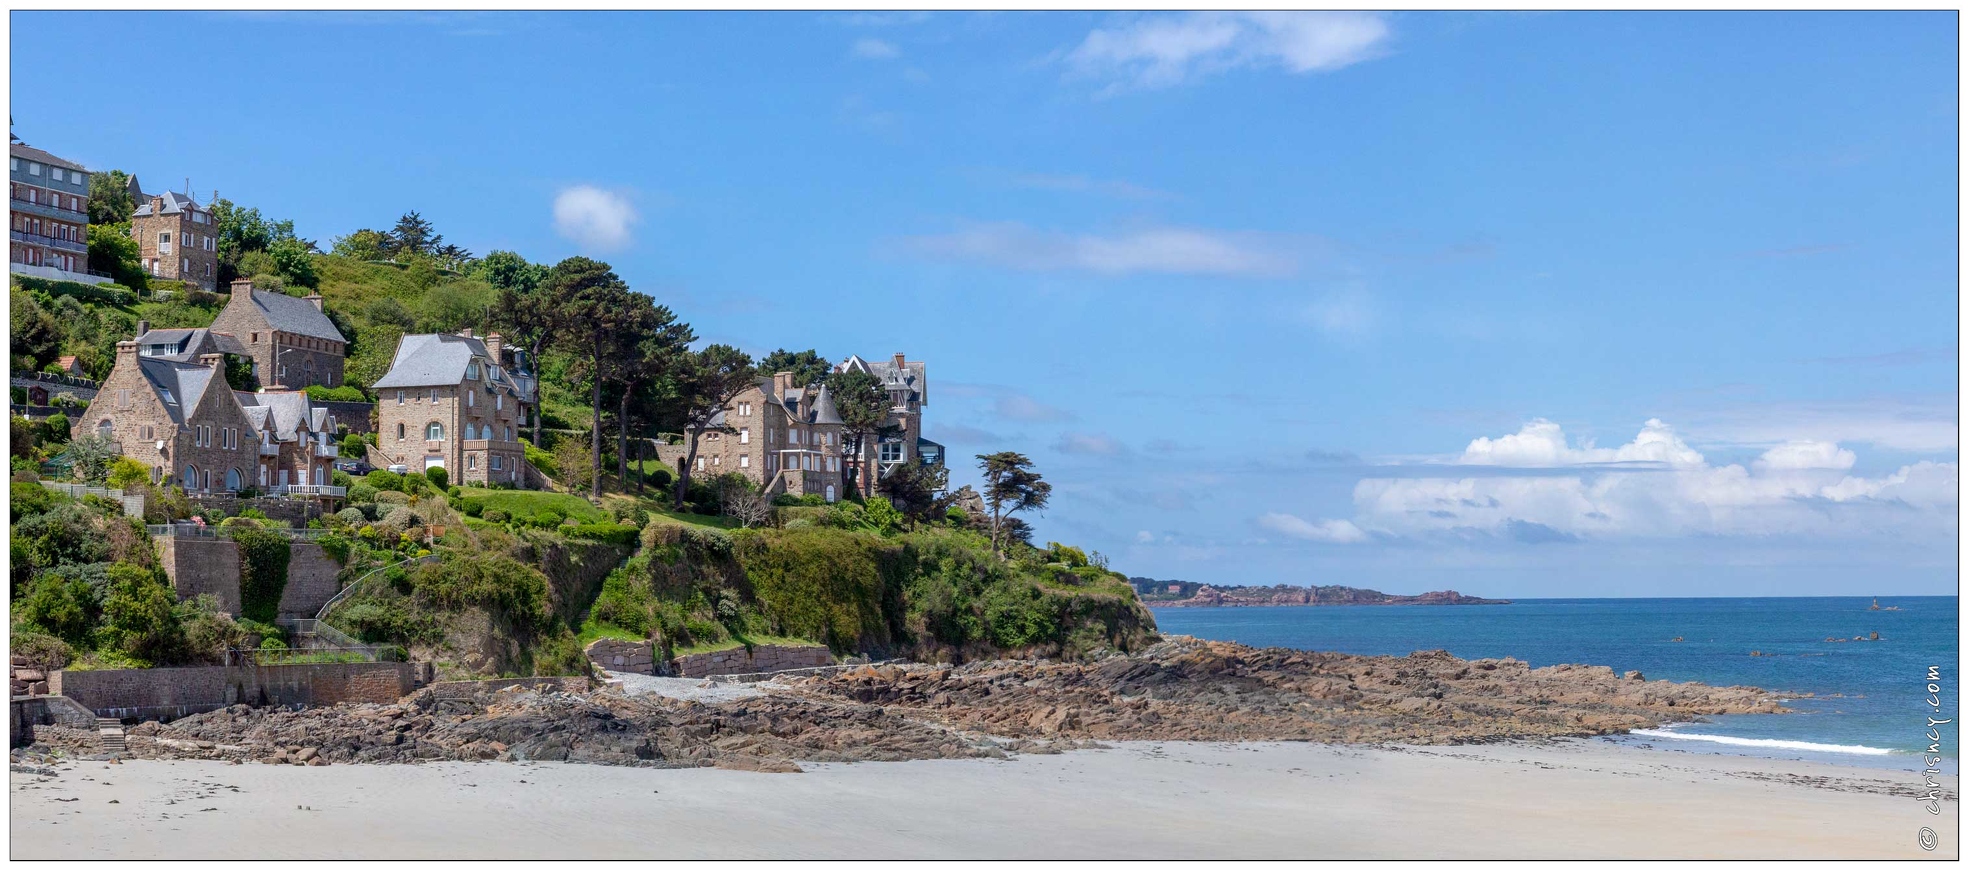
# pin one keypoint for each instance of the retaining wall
(634, 657)
(738, 660)
(465, 689)
(169, 693)
(211, 565)
(25, 714)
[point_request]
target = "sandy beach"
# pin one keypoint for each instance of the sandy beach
(1565, 799)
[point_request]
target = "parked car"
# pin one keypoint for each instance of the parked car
(357, 468)
(400, 469)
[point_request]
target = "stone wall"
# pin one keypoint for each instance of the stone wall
(211, 565)
(202, 565)
(169, 693)
(633, 657)
(312, 579)
(738, 660)
(359, 417)
(24, 714)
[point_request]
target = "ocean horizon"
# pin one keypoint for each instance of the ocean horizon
(1852, 702)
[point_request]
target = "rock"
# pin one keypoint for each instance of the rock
(1633, 675)
(30, 675)
(308, 753)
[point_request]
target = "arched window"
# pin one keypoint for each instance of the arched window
(468, 432)
(434, 432)
(106, 428)
(232, 480)
(191, 477)
(399, 432)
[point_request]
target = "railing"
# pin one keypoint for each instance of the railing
(57, 378)
(327, 451)
(193, 530)
(47, 211)
(308, 490)
(49, 241)
(321, 616)
(270, 450)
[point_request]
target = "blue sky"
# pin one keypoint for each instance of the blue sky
(1249, 289)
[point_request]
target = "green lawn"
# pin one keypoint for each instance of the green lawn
(528, 504)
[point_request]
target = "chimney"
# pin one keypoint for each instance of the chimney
(126, 353)
(494, 344)
(212, 360)
(143, 327)
(242, 286)
(314, 298)
(899, 363)
(466, 332)
(782, 383)
(156, 206)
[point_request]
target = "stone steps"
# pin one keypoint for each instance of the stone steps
(110, 732)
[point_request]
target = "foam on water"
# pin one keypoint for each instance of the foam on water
(1768, 743)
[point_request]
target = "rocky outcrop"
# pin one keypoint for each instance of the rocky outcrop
(1207, 596)
(1180, 689)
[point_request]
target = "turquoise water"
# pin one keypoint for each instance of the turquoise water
(1870, 700)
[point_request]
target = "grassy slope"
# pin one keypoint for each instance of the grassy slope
(529, 504)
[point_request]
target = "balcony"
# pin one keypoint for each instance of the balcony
(47, 211)
(270, 450)
(327, 451)
(48, 242)
(317, 490)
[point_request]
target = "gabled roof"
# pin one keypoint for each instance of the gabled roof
(295, 315)
(190, 344)
(440, 360)
(29, 152)
(174, 203)
(178, 385)
(911, 376)
(290, 411)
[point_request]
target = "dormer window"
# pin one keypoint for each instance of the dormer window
(472, 371)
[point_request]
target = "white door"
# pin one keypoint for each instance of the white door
(433, 463)
(830, 492)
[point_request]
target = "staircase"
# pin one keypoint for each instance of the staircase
(110, 731)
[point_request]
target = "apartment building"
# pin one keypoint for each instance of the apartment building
(48, 205)
(178, 238)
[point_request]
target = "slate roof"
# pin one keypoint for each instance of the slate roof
(912, 376)
(293, 314)
(439, 360)
(824, 409)
(291, 411)
(29, 152)
(178, 385)
(190, 344)
(174, 203)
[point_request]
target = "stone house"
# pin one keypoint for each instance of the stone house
(48, 216)
(178, 238)
(908, 386)
(456, 402)
(294, 438)
(787, 439)
(185, 346)
(179, 418)
(291, 340)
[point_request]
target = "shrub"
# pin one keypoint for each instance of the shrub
(495, 582)
(392, 497)
(608, 533)
(65, 608)
(361, 492)
(263, 558)
(815, 583)
(345, 393)
(438, 477)
(494, 515)
(128, 474)
(45, 652)
(140, 616)
(549, 519)
(337, 546)
(384, 480)
(25, 500)
(54, 430)
(339, 478)
(417, 482)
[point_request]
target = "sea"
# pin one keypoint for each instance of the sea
(1868, 702)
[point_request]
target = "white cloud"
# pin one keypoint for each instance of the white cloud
(1144, 537)
(1175, 250)
(595, 219)
(1328, 531)
(1921, 423)
(1025, 409)
(1088, 444)
(1342, 315)
(1798, 488)
(1165, 50)
(1805, 454)
(1543, 443)
(869, 48)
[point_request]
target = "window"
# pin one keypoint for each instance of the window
(191, 477)
(232, 479)
(700, 464)
(57, 174)
(744, 436)
(495, 463)
(499, 402)
(472, 371)
(471, 399)
(399, 432)
(745, 461)
(184, 239)
(399, 397)
(106, 428)
(434, 396)
(892, 452)
(472, 462)
(793, 437)
(434, 432)
(123, 398)
(33, 168)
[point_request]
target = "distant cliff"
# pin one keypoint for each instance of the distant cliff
(1185, 594)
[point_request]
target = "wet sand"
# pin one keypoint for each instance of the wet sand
(1567, 799)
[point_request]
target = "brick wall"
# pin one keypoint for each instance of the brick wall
(763, 658)
(168, 693)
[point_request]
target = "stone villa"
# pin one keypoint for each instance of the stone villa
(291, 340)
(788, 438)
(177, 236)
(456, 402)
